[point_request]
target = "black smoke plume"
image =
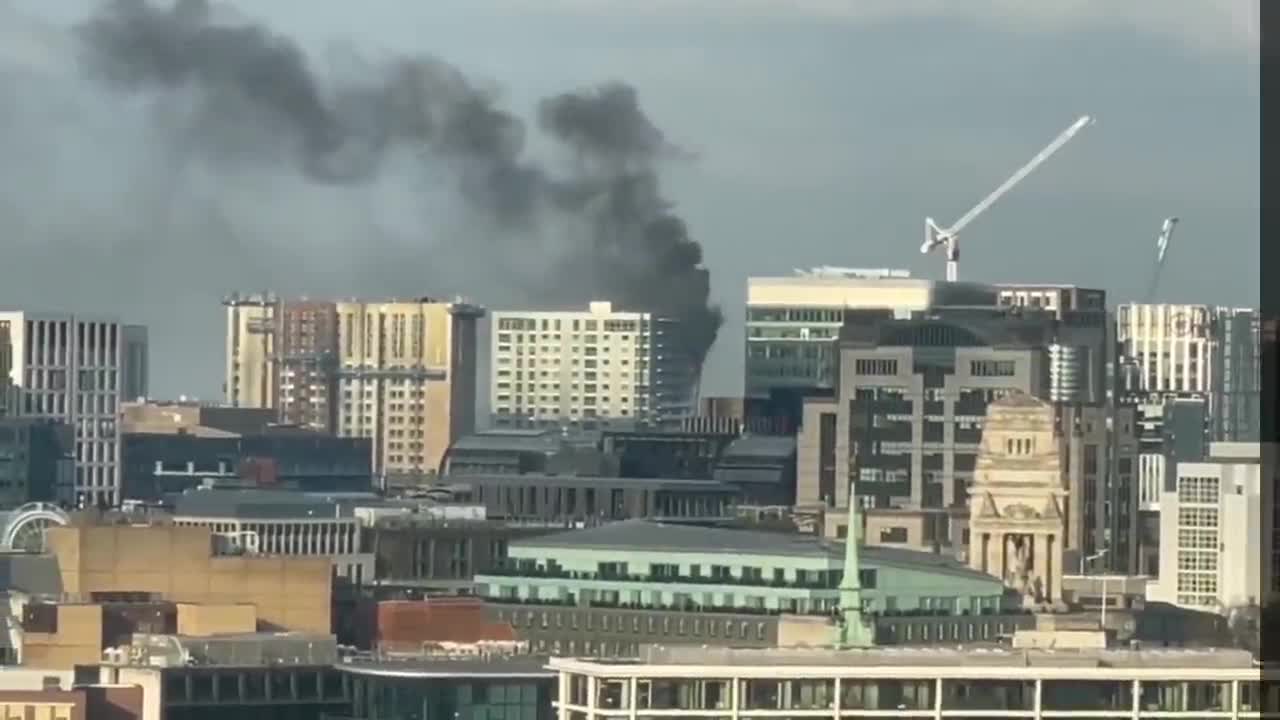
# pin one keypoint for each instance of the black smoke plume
(256, 100)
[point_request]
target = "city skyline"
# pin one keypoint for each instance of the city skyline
(1176, 134)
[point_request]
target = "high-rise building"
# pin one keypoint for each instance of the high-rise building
(407, 379)
(1237, 379)
(588, 369)
(250, 351)
(1210, 526)
(282, 354)
(307, 363)
(73, 369)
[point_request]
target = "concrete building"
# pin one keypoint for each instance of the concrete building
(288, 524)
(972, 681)
(74, 369)
(182, 565)
(1211, 524)
(1237, 377)
(251, 378)
(407, 379)
(158, 463)
(588, 369)
(306, 364)
(792, 322)
(906, 418)
(610, 589)
(1080, 359)
(586, 499)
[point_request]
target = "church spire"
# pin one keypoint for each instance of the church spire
(855, 629)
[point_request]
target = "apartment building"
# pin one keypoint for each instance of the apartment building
(250, 351)
(407, 379)
(588, 368)
(1211, 524)
(74, 369)
(283, 355)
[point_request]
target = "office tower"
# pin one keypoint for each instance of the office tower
(588, 368)
(1236, 383)
(1169, 349)
(1210, 526)
(72, 368)
(793, 322)
(407, 379)
(137, 363)
(9, 401)
(250, 351)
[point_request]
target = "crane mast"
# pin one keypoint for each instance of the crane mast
(1162, 251)
(948, 239)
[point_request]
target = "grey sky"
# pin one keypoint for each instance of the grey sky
(826, 131)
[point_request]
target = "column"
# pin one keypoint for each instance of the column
(996, 543)
(1040, 565)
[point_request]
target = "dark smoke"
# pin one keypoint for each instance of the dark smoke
(257, 101)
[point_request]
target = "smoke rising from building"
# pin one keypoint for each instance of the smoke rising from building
(191, 144)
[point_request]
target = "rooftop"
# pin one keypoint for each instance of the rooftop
(965, 657)
(266, 504)
(649, 536)
(774, 447)
(598, 481)
(518, 666)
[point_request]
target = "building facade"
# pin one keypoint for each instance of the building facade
(906, 419)
(74, 369)
(588, 369)
(407, 380)
(251, 376)
(939, 683)
(37, 461)
(1211, 520)
(792, 322)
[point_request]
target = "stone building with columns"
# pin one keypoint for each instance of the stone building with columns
(1018, 504)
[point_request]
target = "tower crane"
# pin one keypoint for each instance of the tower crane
(1162, 251)
(947, 238)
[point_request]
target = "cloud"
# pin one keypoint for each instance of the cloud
(1215, 26)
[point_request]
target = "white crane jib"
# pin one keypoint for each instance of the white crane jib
(1162, 250)
(935, 236)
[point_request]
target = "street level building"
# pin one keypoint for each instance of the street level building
(588, 368)
(76, 369)
(938, 683)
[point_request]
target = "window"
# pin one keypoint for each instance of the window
(993, 368)
(893, 535)
(868, 366)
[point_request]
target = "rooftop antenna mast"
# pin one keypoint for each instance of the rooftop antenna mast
(947, 238)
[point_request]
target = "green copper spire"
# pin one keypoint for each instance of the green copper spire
(855, 629)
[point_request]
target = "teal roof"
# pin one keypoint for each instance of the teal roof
(649, 536)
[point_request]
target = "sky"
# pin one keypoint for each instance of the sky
(822, 132)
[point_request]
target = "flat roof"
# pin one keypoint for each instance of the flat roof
(971, 661)
(465, 479)
(649, 536)
(519, 666)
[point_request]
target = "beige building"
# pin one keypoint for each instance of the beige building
(587, 368)
(178, 564)
(250, 351)
(407, 379)
(1017, 505)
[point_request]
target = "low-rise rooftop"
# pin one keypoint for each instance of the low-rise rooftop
(962, 656)
(648, 536)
